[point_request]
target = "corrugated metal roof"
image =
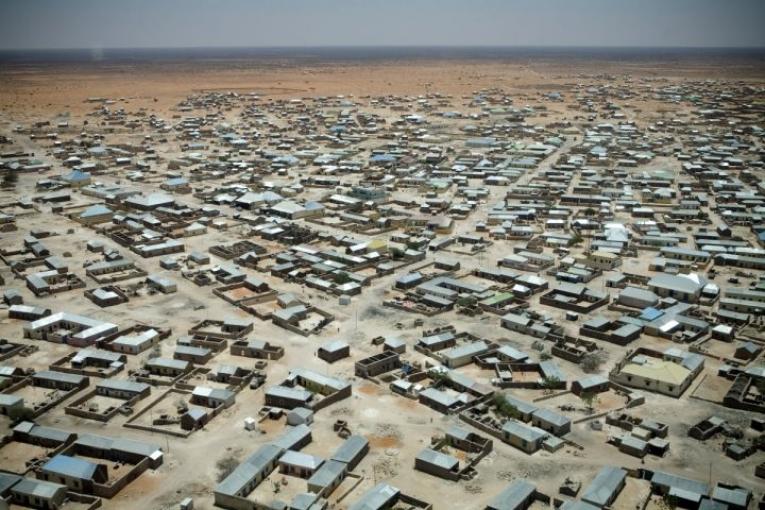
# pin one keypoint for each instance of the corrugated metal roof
(438, 459)
(514, 496)
(376, 498)
(72, 467)
(604, 488)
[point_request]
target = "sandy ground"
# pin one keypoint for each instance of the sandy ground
(28, 90)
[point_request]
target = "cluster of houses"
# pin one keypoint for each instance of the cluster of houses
(522, 278)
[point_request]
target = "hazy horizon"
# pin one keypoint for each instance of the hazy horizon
(181, 24)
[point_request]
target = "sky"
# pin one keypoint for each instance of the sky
(94, 24)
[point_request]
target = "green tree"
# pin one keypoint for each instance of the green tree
(591, 362)
(549, 383)
(589, 400)
(18, 414)
(505, 408)
(341, 278)
(10, 178)
(226, 466)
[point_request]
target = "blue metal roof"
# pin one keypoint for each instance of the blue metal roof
(71, 467)
(651, 314)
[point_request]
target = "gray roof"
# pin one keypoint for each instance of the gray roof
(457, 432)
(318, 378)
(176, 364)
(514, 496)
(292, 437)
(438, 459)
(639, 294)
(8, 480)
(732, 495)
(304, 460)
(522, 406)
(40, 431)
(673, 282)
(350, 448)
(669, 480)
(518, 429)
(470, 349)
(512, 353)
(551, 417)
(591, 381)
(327, 473)
(118, 444)
(10, 400)
(60, 376)
(305, 501)
(97, 354)
(192, 350)
(289, 393)
(334, 346)
(577, 505)
(73, 467)
(605, 486)
(38, 488)
(441, 397)
(249, 469)
(376, 498)
(550, 369)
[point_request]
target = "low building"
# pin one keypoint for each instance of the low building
(463, 354)
(352, 451)
(288, 398)
(437, 463)
(78, 474)
(439, 400)
(378, 364)
(606, 486)
(551, 421)
(327, 478)
(193, 354)
(256, 348)
(519, 495)
(168, 367)
(667, 374)
(122, 389)
(232, 492)
(32, 493)
(590, 385)
(212, 397)
(525, 438)
(299, 464)
(333, 351)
